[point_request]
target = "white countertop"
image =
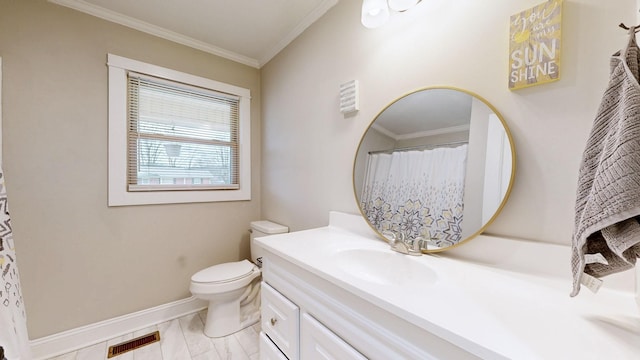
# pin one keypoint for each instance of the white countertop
(489, 311)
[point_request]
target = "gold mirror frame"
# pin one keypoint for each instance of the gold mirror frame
(511, 178)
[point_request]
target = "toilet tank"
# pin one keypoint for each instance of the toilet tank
(259, 229)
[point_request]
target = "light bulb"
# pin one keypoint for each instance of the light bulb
(374, 13)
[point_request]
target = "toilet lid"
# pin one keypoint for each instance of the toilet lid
(224, 272)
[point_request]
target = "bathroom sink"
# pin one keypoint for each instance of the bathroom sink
(384, 267)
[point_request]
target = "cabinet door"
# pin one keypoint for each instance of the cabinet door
(280, 321)
(318, 342)
(269, 350)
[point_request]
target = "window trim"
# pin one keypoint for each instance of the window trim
(117, 157)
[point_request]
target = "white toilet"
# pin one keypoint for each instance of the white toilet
(233, 289)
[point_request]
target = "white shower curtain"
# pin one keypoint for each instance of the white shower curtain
(13, 321)
(417, 193)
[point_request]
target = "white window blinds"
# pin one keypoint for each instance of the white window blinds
(180, 137)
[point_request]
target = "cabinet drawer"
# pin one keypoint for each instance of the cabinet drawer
(318, 342)
(280, 321)
(268, 350)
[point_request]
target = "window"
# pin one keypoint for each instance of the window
(175, 137)
(180, 138)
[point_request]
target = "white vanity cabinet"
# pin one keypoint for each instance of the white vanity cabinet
(280, 322)
(269, 350)
(318, 342)
(354, 297)
(308, 317)
(288, 334)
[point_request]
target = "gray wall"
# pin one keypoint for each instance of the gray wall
(81, 261)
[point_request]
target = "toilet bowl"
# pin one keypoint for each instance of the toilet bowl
(233, 289)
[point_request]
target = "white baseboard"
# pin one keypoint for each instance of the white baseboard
(74, 339)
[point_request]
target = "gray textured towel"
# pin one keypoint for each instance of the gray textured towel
(608, 196)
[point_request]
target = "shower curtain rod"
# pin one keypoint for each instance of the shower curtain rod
(420, 147)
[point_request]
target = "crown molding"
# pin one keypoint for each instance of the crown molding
(396, 137)
(299, 29)
(151, 29)
(449, 130)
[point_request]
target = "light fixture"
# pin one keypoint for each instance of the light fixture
(376, 12)
(402, 5)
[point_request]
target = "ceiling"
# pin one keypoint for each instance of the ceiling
(250, 32)
(425, 113)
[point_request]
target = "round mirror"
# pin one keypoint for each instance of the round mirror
(435, 165)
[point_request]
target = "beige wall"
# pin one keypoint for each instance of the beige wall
(308, 145)
(80, 261)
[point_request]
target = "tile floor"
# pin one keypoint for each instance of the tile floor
(180, 339)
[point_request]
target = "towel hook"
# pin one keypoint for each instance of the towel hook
(622, 25)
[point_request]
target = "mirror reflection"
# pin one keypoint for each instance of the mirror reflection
(437, 165)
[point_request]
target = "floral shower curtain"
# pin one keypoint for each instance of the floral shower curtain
(418, 193)
(13, 321)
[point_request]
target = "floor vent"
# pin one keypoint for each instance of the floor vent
(130, 345)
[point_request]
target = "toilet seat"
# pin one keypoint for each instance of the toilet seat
(223, 278)
(233, 289)
(223, 273)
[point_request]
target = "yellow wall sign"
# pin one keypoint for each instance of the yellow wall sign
(534, 46)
